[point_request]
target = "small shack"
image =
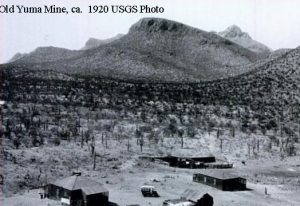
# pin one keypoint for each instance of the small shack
(188, 198)
(223, 180)
(191, 195)
(78, 191)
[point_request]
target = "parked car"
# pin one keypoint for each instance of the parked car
(149, 191)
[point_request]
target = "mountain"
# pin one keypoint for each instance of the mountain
(16, 57)
(235, 34)
(45, 54)
(278, 52)
(92, 42)
(153, 50)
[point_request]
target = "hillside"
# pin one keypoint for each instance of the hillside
(235, 34)
(93, 42)
(44, 55)
(153, 50)
(16, 57)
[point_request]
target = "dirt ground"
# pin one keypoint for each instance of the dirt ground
(170, 183)
(123, 173)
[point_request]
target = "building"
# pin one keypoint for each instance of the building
(177, 202)
(191, 195)
(183, 162)
(223, 180)
(78, 191)
(188, 198)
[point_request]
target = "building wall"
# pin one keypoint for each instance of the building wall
(234, 184)
(226, 185)
(55, 192)
(217, 183)
(97, 200)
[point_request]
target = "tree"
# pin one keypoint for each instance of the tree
(93, 146)
(173, 127)
(233, 131)
(17, 142)
(128, 143)
(141, 143)
(138, 135)
(180, 134)
(221, 144)
(191, 132)
(252, 128)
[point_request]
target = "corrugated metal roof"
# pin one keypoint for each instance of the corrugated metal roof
(191, 195)
(75, 182)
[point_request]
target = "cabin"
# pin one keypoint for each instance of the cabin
(222, 180)
(77, 190)
(188, 198)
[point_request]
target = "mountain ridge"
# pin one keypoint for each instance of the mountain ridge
(153, 49)
(235, 34)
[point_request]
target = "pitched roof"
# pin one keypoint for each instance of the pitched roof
(191, 195)
(76, 182)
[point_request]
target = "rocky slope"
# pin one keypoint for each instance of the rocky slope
(235, 34)
(16, 57)
(153, 50)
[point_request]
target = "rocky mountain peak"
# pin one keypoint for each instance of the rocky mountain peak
(93, 42)
(235, 34)
(234, 31)
(152, 25)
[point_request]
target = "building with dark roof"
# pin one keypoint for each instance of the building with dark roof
(223, 180)
(78, 191)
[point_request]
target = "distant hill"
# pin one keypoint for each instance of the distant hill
(235, 34)
(93, 42)
(153, 50)
(16, 57)
(44, 54)
(278, 52)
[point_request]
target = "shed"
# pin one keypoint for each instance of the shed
(177, 202)
(223, 180)
(78, 191)
(191, 195)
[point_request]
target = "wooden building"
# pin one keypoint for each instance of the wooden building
(183, 162)
(78, 191)
(223, 180)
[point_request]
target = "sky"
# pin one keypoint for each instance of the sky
(275, 23)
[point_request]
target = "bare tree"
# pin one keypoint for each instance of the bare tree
(221, 144)
(180, 134)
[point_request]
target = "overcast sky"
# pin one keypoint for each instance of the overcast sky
(275, 23)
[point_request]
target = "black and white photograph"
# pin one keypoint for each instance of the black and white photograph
(150, 103)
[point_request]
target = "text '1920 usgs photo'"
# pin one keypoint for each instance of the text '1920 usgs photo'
(150, 103)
